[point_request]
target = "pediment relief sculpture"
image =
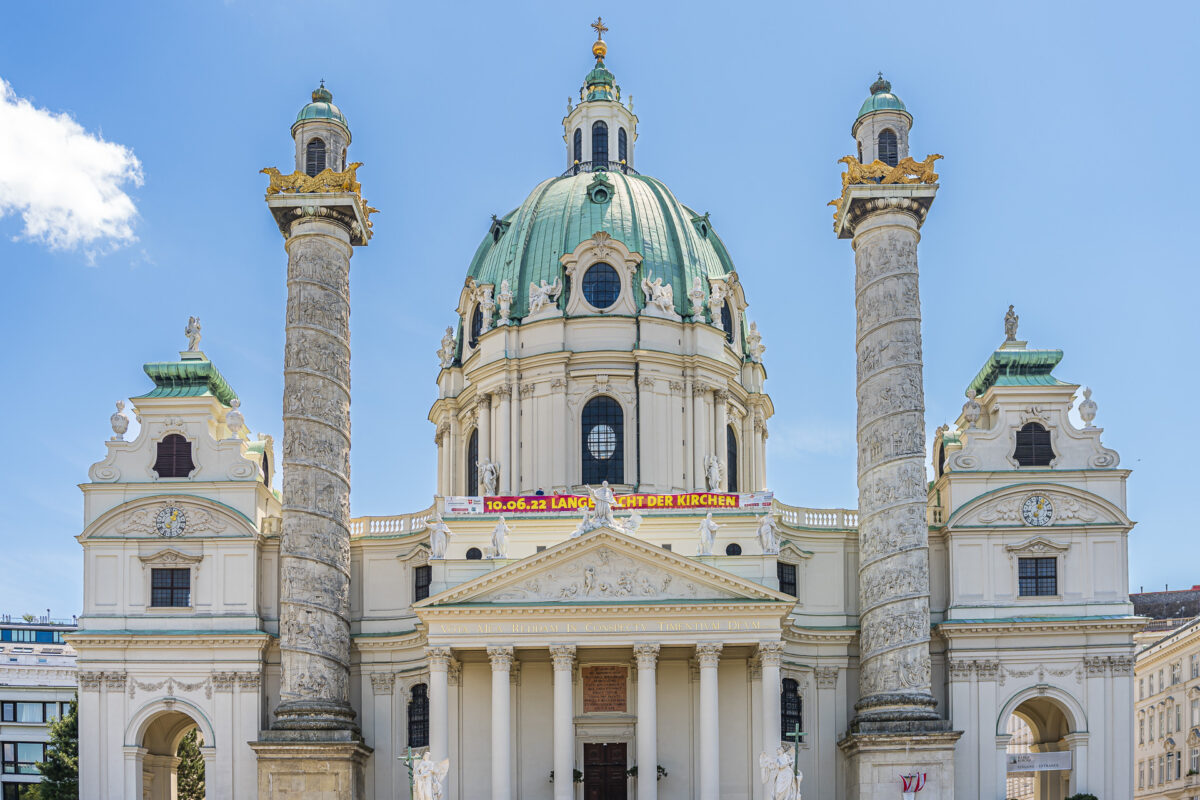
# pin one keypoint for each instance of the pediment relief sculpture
(169, 519)
(604, 575)
(1059, 508)
(170, 558)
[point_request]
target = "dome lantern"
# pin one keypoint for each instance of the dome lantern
(600, 131)
(321, 133)
(882, 125)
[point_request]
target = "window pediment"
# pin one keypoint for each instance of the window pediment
(171, 558)
(1037, 546)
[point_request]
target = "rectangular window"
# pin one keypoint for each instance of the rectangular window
(1178, 717)
(21, 758)
(1162, 723)
(1152, 772)
(1151, 684)
(1162, 769)
(1195, 763)
(1141, 688)
(24, 636)
(1141, 774)
(1176, 673)
(1152, 726)
(422, 577)
(1196, 712)
(170, 588)
(1141, 731)
(18, 791)
(1037, 577)
(1196, 666)
(14, 711)
(787, 577)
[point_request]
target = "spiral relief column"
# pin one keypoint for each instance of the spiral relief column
(314, 747)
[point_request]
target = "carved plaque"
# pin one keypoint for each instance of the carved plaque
(604, 688)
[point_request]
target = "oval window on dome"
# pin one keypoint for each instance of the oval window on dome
(601, 285)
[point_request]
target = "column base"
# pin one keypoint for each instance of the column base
(875, 761)
(315, 765)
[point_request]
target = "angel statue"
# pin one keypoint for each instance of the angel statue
(708, 535)
(714, 470)
(604, 500)
(445, 353)
(543, 295)
(489, 477)
(768, 534)
(500, 539)
(658, 294)
(631, 523)
(586, 523)
(192, 332)
(697, 295)
(439, 536)
(429, 777)
(505, 299)
(779, 774)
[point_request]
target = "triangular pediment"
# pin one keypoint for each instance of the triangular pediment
(605, 566)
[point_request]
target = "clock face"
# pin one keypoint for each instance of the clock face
(1037, 510)
(170, 521)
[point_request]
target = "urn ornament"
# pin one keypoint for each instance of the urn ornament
(971, 409)
(234, 419)
(1087, 409)
(120, 422)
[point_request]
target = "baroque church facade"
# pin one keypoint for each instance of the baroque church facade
(604, 600)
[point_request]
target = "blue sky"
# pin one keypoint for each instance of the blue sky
(1066, 130)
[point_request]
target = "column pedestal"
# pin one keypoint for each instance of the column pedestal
(875, 762)
(315, 765)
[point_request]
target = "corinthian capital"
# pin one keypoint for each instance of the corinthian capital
(646, 655)
(501, 658)
(484, 401)
(708, 654)
(439, 658)
(563, 656)
(770, 654)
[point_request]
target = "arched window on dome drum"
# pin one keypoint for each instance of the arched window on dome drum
(889, 150)
(476, 327)
(941, 459)
(599, 144)
(1033, 446)
(601, 285)
(314, 157)
(578, 145)
(622, 146)
(473, 463)
(727, 322)
(791, 709)
(603, 441)
(418, 716)
(731, 460)
(174, 457)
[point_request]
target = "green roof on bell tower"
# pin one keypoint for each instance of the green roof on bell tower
(322, 107)
(881, 99)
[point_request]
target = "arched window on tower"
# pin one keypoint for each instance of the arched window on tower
(599, 144)
(418, 716)
(1033, 446)
(174, 457)
(731, 460)
(603, 441)
(791, 709)
(314, 157)
(473, 463)
(578, 145)
(622, 146)
(889, 150)
(727, 322)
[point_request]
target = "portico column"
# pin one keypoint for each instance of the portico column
(503, 438)
(710, 764)
(699, 439)
(647, 721)
(502, 659)
(563, 656)
(770, 655)
(439, 706)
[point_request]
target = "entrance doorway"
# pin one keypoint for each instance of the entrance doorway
(1039, 757)
(604, 765)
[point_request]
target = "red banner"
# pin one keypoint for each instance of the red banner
(535, 504)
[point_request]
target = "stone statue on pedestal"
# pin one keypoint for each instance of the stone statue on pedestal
(779, 774)
(696, 295)
(500, 539)
(1010, 325)
(768, 534)
(446, 352)
(708, 535)
(658, 294)
(605, 500)
(429, 777)
(192, 332)
(543, 295)
(489, 477)
(505, 299)
(439, 536)
(714, 470)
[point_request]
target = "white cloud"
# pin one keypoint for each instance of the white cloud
(66, 183)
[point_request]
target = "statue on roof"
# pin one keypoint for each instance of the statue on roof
(543, 295)
(1010, 325)
(445, 353)
(605, 499)
(504, 299)
(658, 293)
(708, 535)
(439, 536)
(500, 534)
(192, 332)
(697, 296)
(768, 533)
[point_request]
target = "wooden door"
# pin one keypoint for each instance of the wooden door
(604, 765)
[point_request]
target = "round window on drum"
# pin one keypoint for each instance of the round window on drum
(601, 285)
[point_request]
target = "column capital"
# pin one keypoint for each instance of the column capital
(770, 654)
(646, 655)
(383, 682)
(563, 656)
(827, 677)
(708, 654)
(503, 391)
(483, 401)
(439, 658)
(501, 658)
(721, 395)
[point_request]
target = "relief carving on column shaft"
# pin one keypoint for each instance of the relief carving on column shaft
(329, 406)
(563, 656)
(887, 252)
(321, 631)
(313, 676)
(888, 584)
(318, 444)
(900, 629)
(314, 305)
(708, 654)
(888, 347)
(891, 530)
(891, 437)
(646, 655)
(826, 677)
(888, 392)
(906, 669)
(319, 353)
(320, 263)
(902, 481)
(893, 300)
(501, 658)
(326, 543)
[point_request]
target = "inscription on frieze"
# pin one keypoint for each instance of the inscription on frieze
(604, 688)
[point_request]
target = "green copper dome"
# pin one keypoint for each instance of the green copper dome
(675, 242)
(322, 107)
(881, 99)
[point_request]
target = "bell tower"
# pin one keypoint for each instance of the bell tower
(600, 132)
(882, 126)
(314, 747)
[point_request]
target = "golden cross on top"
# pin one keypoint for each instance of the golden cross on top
(600, 28)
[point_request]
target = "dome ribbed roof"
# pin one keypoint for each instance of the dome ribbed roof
(675, 242)
(881, 98)
(322, 107)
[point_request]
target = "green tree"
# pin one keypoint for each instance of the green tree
(60, 770)
(191, 767)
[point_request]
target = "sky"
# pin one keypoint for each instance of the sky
(132, 135)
